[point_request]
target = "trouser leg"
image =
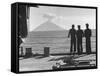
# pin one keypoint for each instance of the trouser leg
(88, 45)
(78, 50)
(71, 44)
(81, 47)
(75, 45)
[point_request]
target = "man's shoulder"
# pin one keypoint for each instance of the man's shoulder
(86, 30)
(81, 30)
(90, 29)
(72, 30)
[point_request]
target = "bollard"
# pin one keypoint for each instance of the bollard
(22, 51)
(46, 51)
(28, 52)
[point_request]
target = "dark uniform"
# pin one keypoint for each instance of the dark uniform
(79, 41)
(72, 33)
(87, 34)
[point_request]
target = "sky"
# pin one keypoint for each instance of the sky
(64, 17)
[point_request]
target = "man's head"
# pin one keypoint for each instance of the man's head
(87, 25)
(79, 27)
(73, 26)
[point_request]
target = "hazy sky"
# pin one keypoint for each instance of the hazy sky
(62, 16)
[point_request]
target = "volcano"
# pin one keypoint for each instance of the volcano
(48, 26)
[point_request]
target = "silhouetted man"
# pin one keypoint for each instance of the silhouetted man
(79, 40)
(87, 34)
(72, 34)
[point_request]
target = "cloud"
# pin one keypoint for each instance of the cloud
(49, 16)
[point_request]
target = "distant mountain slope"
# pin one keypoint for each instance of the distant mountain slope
(47, 33)
(48, 26)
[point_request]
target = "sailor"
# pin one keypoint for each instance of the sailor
(79, 40)
(87, 34)
(72, 34)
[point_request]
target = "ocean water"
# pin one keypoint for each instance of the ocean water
(56, 40)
